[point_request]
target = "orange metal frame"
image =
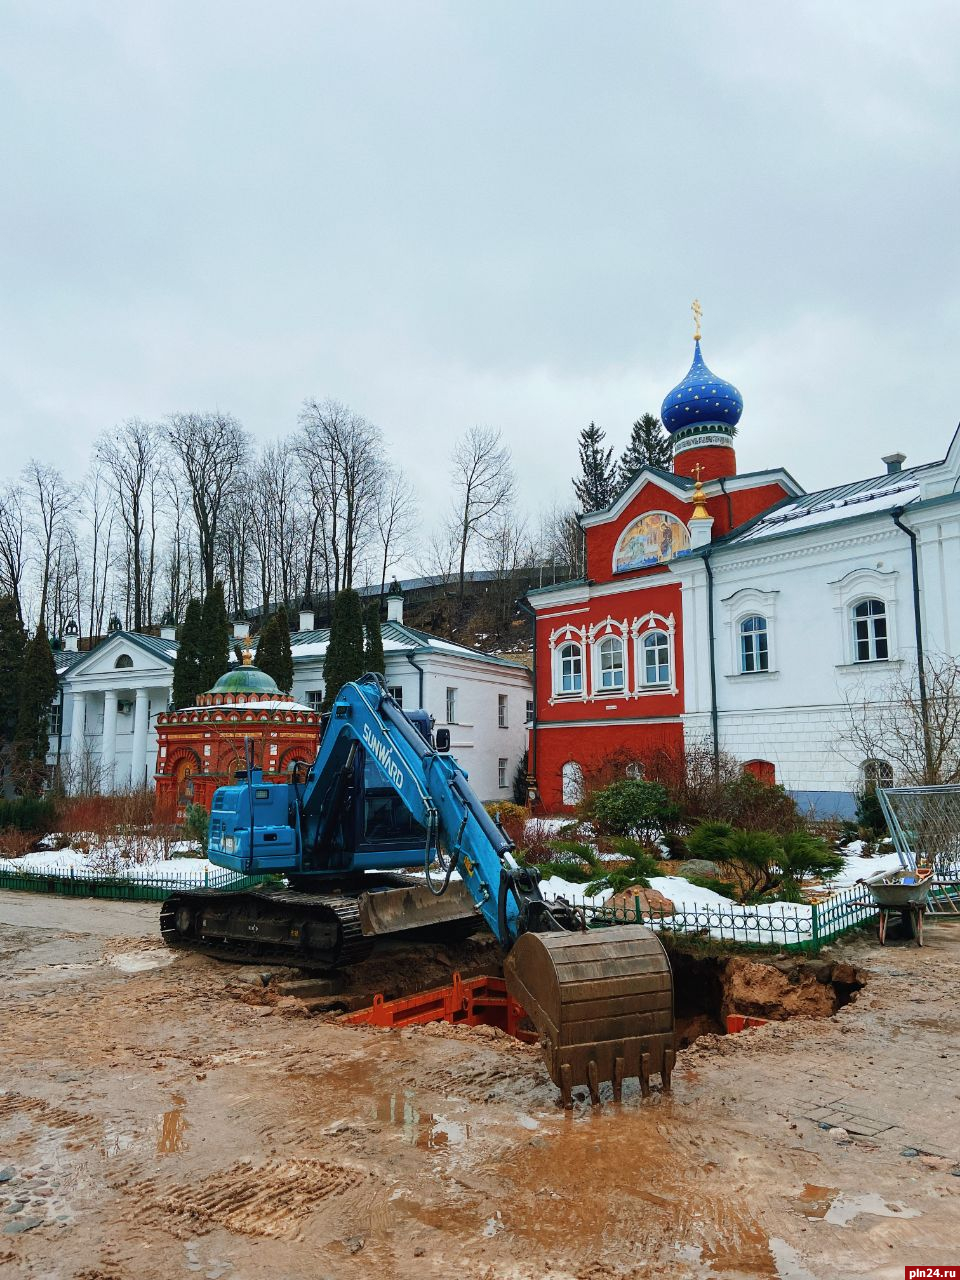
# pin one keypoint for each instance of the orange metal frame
(472, 1003)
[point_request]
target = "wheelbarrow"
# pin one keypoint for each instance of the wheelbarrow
(904, 891)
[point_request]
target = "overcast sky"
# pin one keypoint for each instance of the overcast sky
(499, 213)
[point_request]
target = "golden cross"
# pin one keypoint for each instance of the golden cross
(698, 468)
(697, 315)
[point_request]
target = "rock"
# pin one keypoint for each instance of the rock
(910, 1152)
(838, 1134)
(937, 1162)
(419, 1253)
(844, 972)
(305, 988)
(19, 1225)
(702, 867)
(7, 1173)
(355, 1244)
(650, 900)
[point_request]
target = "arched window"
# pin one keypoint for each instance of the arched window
(571, 778)
(754, 649)
(877, 773)
(570, 669)
(611, 663)
(870, 631)
(655, 666)
(123, 661)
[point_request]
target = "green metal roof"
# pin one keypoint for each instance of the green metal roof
(245, 680)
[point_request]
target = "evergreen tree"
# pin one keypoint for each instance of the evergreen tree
(649, 445)
(265, 654)
(214, 638)
(344, 657)
(373, 652)
(38, 688)
(13, 641)
(273, 654)
(187, 680)
(596, 485)
(284, 673)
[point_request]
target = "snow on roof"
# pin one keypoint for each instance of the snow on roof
(397, 638)
(842, 502)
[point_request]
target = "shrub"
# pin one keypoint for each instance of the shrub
(638, 865)
(762, 864)
(513, 819)
(631, 807)
(869, 814)
(28, 813)
(196, 824)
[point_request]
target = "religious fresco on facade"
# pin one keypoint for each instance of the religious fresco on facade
(653, 539)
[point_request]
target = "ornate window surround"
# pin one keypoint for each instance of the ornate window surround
(749, 602)
(638, 629)
(600, 631)
(558, 638)
(848, 591)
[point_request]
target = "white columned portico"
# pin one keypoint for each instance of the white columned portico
(141, 719)
(108, 749)
(78, 728)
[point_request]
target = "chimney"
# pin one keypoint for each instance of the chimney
(71, 636)
(241, 628)
(395, 602)
(894, 462)
(308, 619)
(168, 626)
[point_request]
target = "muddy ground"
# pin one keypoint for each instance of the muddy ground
(153, 1125)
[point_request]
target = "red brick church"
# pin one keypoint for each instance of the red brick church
(608, 651)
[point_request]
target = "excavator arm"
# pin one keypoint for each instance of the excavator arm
(602, 1000)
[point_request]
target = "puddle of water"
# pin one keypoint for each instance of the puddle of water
(420, 1129)
(787, 1261)
(845, 1208)
(140, 961)
(815, 1201)
(173, 1127)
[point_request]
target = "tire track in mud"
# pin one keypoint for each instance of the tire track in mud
(54, 1117)
(268, 1200)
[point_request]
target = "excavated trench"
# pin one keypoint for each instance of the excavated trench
(708, 989)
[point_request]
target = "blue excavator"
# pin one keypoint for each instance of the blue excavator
(382, 795)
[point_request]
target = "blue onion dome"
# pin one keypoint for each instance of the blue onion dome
(702, 399)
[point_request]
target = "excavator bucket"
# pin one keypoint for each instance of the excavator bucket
(602, 1001)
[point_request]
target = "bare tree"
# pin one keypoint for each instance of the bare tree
(51, 498)
(97, 510)
(342, 457)
(211, 449)
(482, 475)
(918, 737)
(561, 545)
(396, 520)
(13, 557)
(132, 454)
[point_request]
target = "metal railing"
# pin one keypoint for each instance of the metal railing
(774, 924)
(131, 885)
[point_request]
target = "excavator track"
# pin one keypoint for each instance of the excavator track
(602, 1001)
(268, 926)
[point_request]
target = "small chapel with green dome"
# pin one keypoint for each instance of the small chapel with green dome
(201, 748)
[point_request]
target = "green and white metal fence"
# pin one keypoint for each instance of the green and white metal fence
(802, 928)
(131, 885)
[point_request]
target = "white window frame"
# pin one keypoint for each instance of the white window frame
(503, 706)
(655, 641)
(531, 711)
(602, 689)
(450, 705)
(558, 642)
(748, 645)
(396, 693)
(640, 628)
(313, 698)
(872, 639)
(598, 635)
(503, 769)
